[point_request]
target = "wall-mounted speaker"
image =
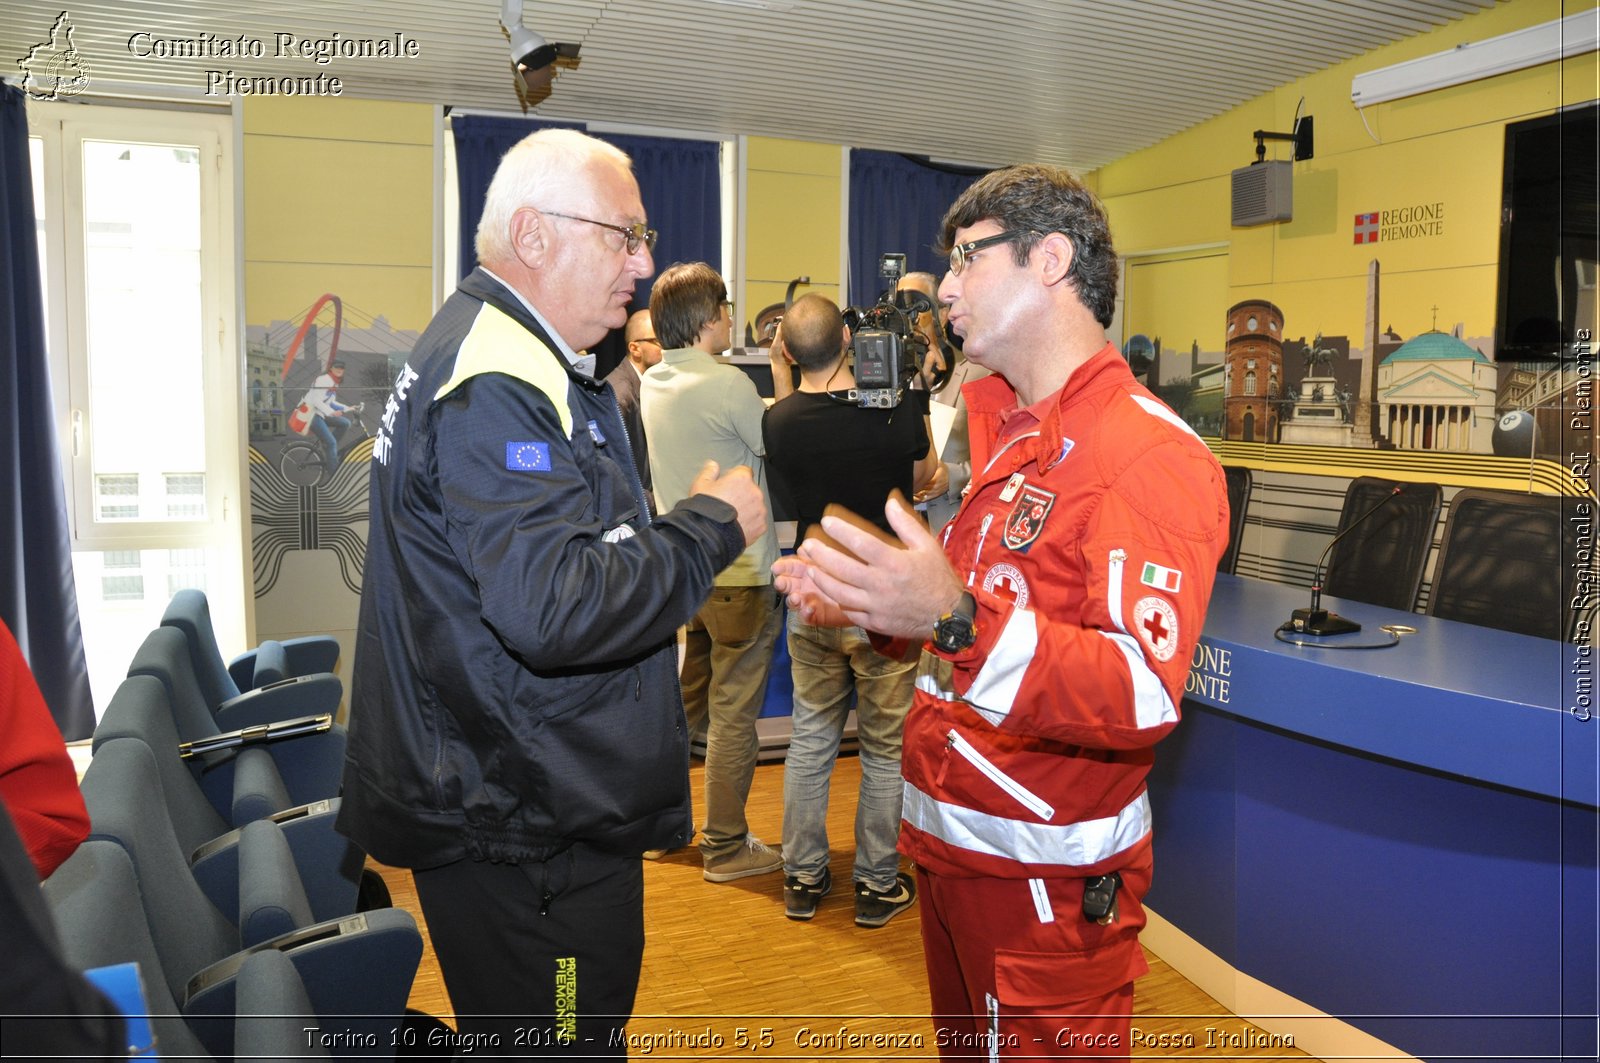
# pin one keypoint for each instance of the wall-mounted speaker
(1263, 193)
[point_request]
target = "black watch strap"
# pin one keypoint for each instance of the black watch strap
(956, 630)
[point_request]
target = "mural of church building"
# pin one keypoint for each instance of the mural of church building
(1437, 393)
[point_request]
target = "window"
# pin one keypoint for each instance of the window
(186, 495)
(1250, 383)
(136, 218)
(122, 588)
(117, 496)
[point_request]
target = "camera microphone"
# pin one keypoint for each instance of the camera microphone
(1317, 620)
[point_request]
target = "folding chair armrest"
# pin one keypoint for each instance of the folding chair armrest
(306, 695)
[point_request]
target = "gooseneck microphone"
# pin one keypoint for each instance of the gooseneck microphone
(1317, 620)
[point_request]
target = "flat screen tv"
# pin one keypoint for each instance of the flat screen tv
(1549, 238)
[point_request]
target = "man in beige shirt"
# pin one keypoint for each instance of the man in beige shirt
(696, 409)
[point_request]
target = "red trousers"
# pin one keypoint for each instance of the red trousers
(1016, 971)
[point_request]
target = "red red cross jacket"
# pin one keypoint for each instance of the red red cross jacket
(1091, 546)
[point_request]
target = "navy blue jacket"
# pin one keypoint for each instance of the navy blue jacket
(515, 688)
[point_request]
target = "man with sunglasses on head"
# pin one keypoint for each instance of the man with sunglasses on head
(1058, 616)
(516, 735)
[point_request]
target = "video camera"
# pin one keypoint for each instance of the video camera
(888, 350)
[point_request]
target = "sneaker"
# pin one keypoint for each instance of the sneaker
(655, 854)
(875, 908)
(800, 898)
(751, 858)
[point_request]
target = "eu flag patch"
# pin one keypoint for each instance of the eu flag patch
(528, 457)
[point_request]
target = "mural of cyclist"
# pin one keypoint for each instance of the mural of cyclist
(323, 414)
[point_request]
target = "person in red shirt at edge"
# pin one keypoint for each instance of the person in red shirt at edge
(38, 783)
(1058, 616)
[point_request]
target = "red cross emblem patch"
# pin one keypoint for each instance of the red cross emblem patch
(1006, 581)
(1026, 519)
(1156, 623)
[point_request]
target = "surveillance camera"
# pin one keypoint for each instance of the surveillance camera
(533, 59)
(529, 50)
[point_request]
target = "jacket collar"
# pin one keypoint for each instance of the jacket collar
(480, 285)
(990, 397)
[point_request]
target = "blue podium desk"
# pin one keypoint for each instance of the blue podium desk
(1402, 838)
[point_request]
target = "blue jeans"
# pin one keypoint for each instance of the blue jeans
(330, 442)
(828, 664)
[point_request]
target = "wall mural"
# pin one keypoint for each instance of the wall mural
(316, 386)
(1423, 389)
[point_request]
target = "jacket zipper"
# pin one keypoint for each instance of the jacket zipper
(977, 555)
(1025, 797)
(1114, 588)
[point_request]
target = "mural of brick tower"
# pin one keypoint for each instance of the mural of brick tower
(1254, 380)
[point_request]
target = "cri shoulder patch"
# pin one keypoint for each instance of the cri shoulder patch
(1157, 625)
(1027, 516)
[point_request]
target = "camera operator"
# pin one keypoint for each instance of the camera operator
(824, 446)
(941, 498)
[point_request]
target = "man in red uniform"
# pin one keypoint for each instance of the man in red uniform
(1060, 615)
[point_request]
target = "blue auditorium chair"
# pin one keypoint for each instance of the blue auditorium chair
(98, 910)
(271, 662)
(309, 766)
(358, 968)
(330, 865)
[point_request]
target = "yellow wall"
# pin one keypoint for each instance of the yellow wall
(793, 202)
(338, 193)
(1443, 147)
(338, 197)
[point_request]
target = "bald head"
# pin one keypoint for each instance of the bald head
(813, 332)
(926, 283)
(643, 348)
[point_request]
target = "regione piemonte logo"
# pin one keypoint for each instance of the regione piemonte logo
(54, 69)
(1367, 228)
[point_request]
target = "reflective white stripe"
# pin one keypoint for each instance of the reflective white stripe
(992, 1004)
(1160, 409)
(1152, 705)
(997, 683)
(1041, 900)
(1075, 844)
(1025, 797)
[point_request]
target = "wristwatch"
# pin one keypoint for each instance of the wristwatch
(955, 631)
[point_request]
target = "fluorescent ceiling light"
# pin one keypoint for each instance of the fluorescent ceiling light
(1562, 38)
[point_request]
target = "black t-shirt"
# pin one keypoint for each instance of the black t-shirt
(823, 449)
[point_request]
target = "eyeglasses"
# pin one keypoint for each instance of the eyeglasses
(961, 254)
(633, 235)
(648, 339)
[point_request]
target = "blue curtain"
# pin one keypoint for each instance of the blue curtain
(896, 204)
(38, 598)
(679, 180)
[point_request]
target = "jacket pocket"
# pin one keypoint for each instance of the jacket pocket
(1021, 794)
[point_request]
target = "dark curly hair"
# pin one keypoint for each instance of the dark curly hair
(1036, 200)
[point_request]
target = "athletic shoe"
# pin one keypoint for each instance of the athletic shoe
(751, 858)
(800, 898)
(875, 908)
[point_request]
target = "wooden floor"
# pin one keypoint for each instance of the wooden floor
(721, 958)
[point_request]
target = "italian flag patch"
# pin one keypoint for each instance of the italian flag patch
(1162, 579)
